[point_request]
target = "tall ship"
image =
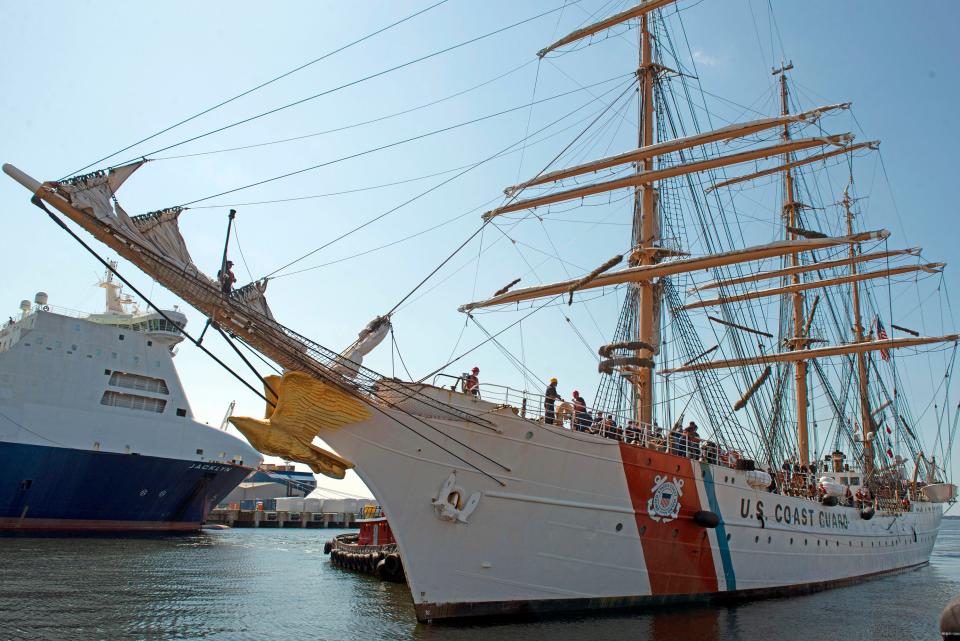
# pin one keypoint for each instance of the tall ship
(96, 432)
(805, 467)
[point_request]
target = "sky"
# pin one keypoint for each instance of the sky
(81, 80)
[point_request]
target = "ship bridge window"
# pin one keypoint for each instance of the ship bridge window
(139, 382)
(133, 401)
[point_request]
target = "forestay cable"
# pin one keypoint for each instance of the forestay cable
(262, 85)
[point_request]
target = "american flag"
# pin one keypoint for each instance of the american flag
(882, 336)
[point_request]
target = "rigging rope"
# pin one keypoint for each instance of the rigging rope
(422, 194)
(39, 203)
(513, 197)
(352, 83)
(262, 85)
(396, 143)
(354, 125)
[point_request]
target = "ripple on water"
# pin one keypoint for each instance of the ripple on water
(277, 584)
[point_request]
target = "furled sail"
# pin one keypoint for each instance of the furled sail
(162, 229)
(368, 339)
(731, 132)
(813, 267)
(819, 352)
(668, 268)
(641, 9)
(930, 268)
(654, 175)
(93, 193)
(873, 144)
(252, 297)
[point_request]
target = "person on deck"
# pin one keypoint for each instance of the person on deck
(581, 418)
(692, 439)
(550, 398)
(471, 382)
(677, 441)
(226, 277)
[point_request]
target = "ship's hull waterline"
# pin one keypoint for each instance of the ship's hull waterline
(57, 490)
(584, 523)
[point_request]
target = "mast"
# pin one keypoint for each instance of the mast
(649, 231)
(866, 419)
(790, 208)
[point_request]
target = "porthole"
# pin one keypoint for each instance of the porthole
(728, 536)
(619, 527)
(528, 435)
(643, 530)
(791, 540)
(769, 540)
(675, 533)
(756, 539)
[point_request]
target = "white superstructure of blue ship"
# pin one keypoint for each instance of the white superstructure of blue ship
(96, 432)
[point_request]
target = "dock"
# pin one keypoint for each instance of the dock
(237, 518)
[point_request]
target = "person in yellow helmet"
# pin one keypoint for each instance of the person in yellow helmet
(550, 397)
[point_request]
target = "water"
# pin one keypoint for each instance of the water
(278, 584)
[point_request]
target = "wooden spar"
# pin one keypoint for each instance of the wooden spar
(882, 407)
(809, 323)
(753, 389)
(912, 332)
(873, 144)
(790, 209)
(806, 233)
(642, 273)
(610, 264)
(702, 354)
(866, 421)
(649, 176)
(736, 326)
(802, 287)
(506, 288)
(815, 267)
(651, 151)
(649, 233)
(640, 10)
(818, 352)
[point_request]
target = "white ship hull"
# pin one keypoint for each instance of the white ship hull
(572, 527)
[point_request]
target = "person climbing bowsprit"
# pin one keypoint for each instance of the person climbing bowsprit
(226, 277)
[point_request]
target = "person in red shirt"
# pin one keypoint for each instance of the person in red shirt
(471, 384)
(226, 277)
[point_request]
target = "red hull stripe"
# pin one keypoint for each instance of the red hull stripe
(78, 525)
(676, 550)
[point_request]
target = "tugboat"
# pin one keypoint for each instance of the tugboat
(373, 550)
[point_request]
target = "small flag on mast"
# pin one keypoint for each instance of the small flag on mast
(882, 336)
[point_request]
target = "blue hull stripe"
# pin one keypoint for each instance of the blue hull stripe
(724, 548)
(62, 484)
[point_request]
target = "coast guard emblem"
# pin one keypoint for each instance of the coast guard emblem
(664, 504)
